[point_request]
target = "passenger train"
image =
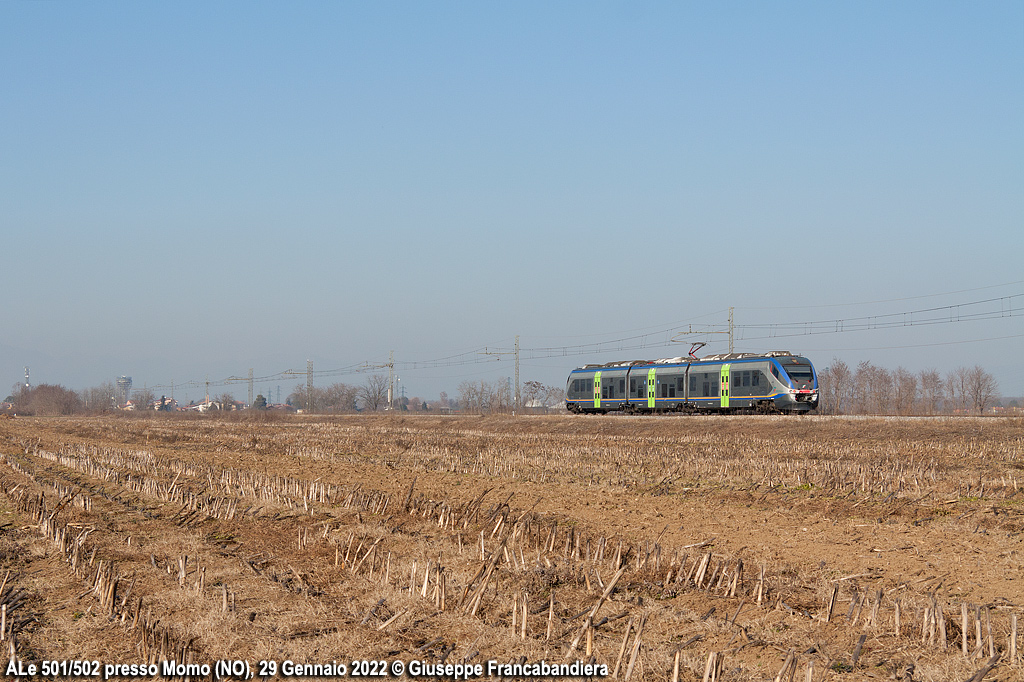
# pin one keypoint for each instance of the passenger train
(777, 381)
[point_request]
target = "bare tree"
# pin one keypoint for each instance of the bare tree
(471, 398)
(482, 396)
(337, 397)
(980, 388)
(836, 385)
(298, 398)
(502, 393)
(142, 398)
(46, 400)
(99, 398)
(956, 390)
(374, 393)
(930, 394)
(904, 391)
(538, 396)
(872, 389)
(553, 395)
(532, 393)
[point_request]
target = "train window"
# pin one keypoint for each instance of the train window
(801, 373)
(746, 378)
(754, 376)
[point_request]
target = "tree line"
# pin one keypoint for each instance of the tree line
(870, 389)
(498, 396)
(866, 389)
(370, 396)
(473, 396)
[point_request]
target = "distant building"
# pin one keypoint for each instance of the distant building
(164, 403)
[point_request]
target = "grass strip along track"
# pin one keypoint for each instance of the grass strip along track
(668, 549)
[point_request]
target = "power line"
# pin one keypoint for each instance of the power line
(992, 308)
(886, 300)
(918, 345)
(960, 312)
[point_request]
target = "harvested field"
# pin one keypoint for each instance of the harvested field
(672, 548)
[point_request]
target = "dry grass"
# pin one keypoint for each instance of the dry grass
(332, 539)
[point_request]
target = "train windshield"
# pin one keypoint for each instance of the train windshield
(799, 370)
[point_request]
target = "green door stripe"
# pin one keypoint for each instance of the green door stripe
(650, 386)
(725, 385)
(597, 389)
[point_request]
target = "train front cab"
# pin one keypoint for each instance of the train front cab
(797, 384)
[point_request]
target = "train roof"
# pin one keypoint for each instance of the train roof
(682, 360)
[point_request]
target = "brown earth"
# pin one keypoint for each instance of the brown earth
(317, 540)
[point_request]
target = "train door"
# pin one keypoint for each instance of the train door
(597, 389)
(724, 393)
(650, 387)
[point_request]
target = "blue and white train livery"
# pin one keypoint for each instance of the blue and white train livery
(736, 382)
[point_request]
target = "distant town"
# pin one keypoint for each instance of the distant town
(376, 394)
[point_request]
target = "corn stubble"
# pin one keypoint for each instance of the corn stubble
(469, 539)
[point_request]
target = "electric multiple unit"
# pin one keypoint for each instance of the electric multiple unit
(736, 382)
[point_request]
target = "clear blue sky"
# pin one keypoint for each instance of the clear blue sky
(191, 189)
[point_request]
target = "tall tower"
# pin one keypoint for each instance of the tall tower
(124, 389)
(309, 386)
(518, 404)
